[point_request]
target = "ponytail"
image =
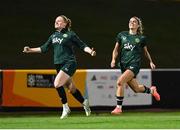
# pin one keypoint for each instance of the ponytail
(140, 29)
(68, 21)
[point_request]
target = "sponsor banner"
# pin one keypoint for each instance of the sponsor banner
(0, 87)
(41, 80)
(34, 88)
(101, 87)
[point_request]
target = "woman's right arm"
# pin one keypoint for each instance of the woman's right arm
(42, 49)
(32, 50)
(114, 55)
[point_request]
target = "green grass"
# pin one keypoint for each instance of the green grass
(130, 119)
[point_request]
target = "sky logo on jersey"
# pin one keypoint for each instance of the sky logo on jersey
(57, 40)
(129, 46)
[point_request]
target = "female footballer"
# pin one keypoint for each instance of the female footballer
(63, 40)
(130, 44)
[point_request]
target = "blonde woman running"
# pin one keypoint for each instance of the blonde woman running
(130, 44)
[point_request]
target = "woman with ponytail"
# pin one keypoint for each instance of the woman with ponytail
(63, 40)
(130, 44)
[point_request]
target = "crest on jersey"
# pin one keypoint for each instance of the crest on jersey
(124, 38)
(137, 40)
(65, 35)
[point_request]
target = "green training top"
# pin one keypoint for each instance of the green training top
(63, 43)
(131, 47)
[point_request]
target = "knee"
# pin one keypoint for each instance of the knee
(71, 87)
(120, 83)
(56, 84)
(72, 90)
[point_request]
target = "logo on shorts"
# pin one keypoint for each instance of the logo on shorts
(131, 67)
(66, 69)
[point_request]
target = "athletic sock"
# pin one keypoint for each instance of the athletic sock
(119, 106)
(62, 94)
(119, 101)
(78, 96)
(147, 90)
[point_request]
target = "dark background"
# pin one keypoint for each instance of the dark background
(97, 22)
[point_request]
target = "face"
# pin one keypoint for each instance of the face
(59, 23)
(133, 24)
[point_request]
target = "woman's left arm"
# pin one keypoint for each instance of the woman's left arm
(152, 65)
(92, 52)
(79, 43)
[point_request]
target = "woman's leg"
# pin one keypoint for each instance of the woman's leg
(59, 82)
(74, 91)
(138, 88)
(123, 79)
(77, 94)
(143, 89)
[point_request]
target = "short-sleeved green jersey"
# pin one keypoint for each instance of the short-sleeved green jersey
(63, 43)
(131, 47)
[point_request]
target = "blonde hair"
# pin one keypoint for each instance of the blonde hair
(67, 20)
(140, 29)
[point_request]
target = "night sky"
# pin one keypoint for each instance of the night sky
(96, 22)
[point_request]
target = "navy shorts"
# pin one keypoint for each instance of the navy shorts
(134, 67)
(69, 67)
